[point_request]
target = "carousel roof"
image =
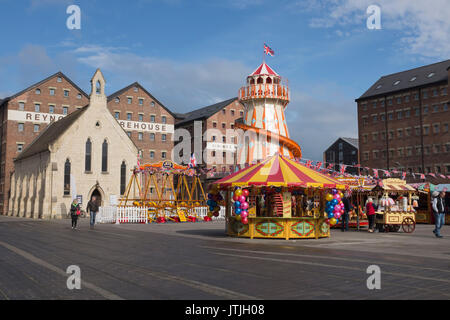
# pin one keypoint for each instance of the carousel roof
(264, 69)
(279, 171)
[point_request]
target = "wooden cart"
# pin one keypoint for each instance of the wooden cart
(393, 215)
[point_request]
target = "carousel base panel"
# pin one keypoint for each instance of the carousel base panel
(279, 228)
(352, 224)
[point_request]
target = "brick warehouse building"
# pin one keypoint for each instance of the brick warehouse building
(403, 121)
(217, 147)
(25, 114)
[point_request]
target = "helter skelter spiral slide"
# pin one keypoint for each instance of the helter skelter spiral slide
(265, 97)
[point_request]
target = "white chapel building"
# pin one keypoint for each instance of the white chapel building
(84, 154)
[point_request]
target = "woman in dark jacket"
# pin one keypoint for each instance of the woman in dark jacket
(74, 213)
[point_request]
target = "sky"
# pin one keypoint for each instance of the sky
(192, 53)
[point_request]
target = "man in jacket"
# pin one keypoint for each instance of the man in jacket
(347, 208)
(92, 207)
(438, 211)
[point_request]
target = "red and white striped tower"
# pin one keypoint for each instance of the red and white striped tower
(265, 97)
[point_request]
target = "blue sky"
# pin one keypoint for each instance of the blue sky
(194, 53)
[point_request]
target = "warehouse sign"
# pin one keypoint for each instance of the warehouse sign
(146, 126)
(217, 146)
(37, 117)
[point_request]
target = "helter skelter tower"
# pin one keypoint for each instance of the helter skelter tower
(265, 97)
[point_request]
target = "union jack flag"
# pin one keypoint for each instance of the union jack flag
(268, 50)
(193, 161)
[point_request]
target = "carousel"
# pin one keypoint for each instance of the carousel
(278, 198)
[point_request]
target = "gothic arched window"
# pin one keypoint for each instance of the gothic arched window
(123, 177)
(88, 156)
(67, 178)
(105, 156)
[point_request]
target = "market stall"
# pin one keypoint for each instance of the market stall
(360, 188)
(279, 198)
(395, 206)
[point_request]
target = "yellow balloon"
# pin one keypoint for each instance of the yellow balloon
(210, 214)
(238, 192)
(333, 221)
(329, 197)
(238, 218)
(341, 194)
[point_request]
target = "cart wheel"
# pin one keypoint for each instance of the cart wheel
(408, 225)
(395, 228)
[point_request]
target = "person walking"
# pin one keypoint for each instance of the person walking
(438, 212)
(92, 207)
(74, 213)
(347, 208)
(370, 212)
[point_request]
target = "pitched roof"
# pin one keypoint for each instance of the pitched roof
(353, 141)
(37, 84)
(408, 79)
(264, 69)
(50, 134)
(137, 84)
(205, 112)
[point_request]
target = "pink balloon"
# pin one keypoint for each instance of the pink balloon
(242, 199)
(244, 205)
(336, 196)
(235, 198)
(342, 212)
(337, 215)
(245, 193)
(244, 214)
(244, 220)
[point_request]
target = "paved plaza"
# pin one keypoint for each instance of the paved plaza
(197, 261)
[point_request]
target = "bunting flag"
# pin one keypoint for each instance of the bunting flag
(318, 165)
(433, 175)
(343, 166)
(387, 173)
(403, 175)
(375, 173)
(308, 163)
(330, 166)
(422, 176)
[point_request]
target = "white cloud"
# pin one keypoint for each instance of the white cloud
(424, 25)
(177, 84)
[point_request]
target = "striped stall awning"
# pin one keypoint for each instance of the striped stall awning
(398, 187)
(279, 171)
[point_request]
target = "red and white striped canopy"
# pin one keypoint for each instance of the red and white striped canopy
(264, 69)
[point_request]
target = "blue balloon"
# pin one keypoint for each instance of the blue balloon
(237, 204)
(211, 208)
(237, 211)
(334, 202)
(209, 202)
(330, 215)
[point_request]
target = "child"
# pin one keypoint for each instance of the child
(74, 213)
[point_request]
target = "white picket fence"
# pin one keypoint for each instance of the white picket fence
(113, 214)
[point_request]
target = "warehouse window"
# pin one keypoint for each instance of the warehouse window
(67, 178)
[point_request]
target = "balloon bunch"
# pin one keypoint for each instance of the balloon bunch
(334, 206)
(214, 197)
(241, 205)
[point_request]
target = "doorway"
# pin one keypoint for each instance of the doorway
(96, 193)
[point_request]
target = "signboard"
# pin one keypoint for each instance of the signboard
(287, 207)
(218, 146)
(146, 126)
(113, 200)
(80, 199)
(36, 117)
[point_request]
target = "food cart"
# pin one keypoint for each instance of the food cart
(395, 206)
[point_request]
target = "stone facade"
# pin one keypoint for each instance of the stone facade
(38, 184)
